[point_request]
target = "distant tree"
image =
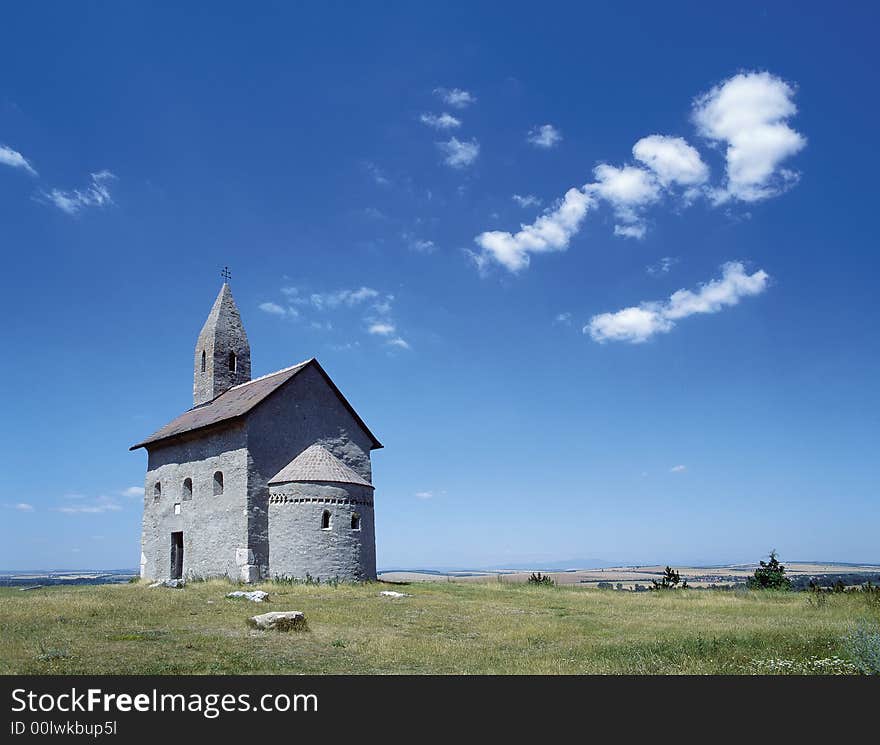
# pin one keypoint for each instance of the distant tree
(619, 586)
(536, 578)
(670, 580)
(770, 576)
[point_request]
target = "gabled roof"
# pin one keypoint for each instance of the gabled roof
(316, 463)
(241, 399)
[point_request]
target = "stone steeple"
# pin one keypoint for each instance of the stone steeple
(223, 355)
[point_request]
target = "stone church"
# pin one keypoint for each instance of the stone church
(261, 478)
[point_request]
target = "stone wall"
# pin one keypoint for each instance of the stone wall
(214, 526)
(299, 546)
(304, 412)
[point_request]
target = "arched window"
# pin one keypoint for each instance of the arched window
(325, 520)
(187, 490)
(218, 483)
(204, 360)
(233, 362)
(157, 490)
(355, 521)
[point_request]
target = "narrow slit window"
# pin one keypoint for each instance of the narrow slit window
(218, 483)
(157, 490)
(187, 490)
(355, 521)
(325, 520)
(204, 360)
(233, 362)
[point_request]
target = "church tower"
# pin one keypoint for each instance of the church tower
(223, 355)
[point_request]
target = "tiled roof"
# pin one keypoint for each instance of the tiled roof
(316, 463)
(238, 401)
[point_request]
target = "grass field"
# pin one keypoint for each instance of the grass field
(441, 628)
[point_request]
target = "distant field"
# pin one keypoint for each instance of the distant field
(444, 627)
(630, 576)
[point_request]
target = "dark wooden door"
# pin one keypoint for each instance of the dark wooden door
(177, 555)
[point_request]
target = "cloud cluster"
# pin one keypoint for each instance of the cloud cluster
(639, 323)
(748, 113)
(374, 308)
(95, 194)
(528, 200)
(545, 136)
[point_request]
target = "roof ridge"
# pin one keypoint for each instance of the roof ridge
(268, 375)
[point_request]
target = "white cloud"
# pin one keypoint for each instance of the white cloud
(419, 245)
(672, 160)
(552, 231)
(545, 136)
(96, 194)
(639, 323)
(459, 154)
(273, 309)
(678, 469)
(635, 230)
(399, 342)
(341, 297)
(424, 494)
(96, 506)
(133, 491)
(749, 114)
(455, 97)
(14, 159)
(440, 121)
(382, 329)
(529, 200)
(563, 318)
(20, 507)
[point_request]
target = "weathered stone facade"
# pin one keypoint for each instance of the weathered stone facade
(244, 434)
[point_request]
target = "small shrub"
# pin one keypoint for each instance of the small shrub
(862, 644)
(544, 580)
(770, 576)
(670, 580)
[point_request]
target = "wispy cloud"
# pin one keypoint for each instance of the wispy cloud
(376, 173)
(20, 507)
(381, 329)
(678, 469)
(529, 200)
(133, 491)
(440, 121)
(459, 154)
(563, 318)
(399, 342)
(96, 194)
(84, 506)
(373, 308)
(455, 97)
(639, 323)
(663, 266)
(14, 159)
(545, 136)
(424, 495)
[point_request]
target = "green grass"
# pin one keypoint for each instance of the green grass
(443, 628)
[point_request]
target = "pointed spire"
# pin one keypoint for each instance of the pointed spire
(223, 354)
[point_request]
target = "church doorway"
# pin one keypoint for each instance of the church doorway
(177, 555)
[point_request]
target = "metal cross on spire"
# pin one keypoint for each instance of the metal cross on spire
(226, 274)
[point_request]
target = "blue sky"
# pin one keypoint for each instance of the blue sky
(602, 280)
